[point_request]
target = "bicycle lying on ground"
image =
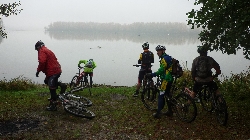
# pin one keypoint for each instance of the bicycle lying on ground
(77, 83)
(182, 103)
(76, 105)
(212, 102)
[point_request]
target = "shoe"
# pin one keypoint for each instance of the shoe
(52, 106)
(156, 115)
(136, 93)
(169, 113)
(63, 88)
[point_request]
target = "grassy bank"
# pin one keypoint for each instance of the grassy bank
(118, 115)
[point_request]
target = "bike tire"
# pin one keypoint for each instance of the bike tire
(80, 99)
(205, 97)
(184, 107)
(149, 98)
(221, 110)
(79, 111)
(74, 82)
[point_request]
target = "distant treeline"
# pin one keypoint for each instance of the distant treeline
(155, 32)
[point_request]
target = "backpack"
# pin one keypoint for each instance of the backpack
(89, 64)
(177, 70)
(203, 67)
(147, 57)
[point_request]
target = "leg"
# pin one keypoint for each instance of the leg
(63, 87)
(138, 86)
(52, 83)
(168, 88)
(91, 76)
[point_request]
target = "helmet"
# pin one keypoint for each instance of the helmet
(91, 60)
(39, 44)
(201, 49)
(145, 45)
(159, 47)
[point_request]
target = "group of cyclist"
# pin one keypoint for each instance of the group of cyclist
(50, 66)
(201, 73)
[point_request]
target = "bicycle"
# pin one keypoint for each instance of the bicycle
(210, 101)
(76, 105)
(77, 83)
(182, 104)
(147, 94)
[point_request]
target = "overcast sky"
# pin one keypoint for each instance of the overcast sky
(37, 14)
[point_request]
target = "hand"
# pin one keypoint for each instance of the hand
(80, 67)
(37, 74)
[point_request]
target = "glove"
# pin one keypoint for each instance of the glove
(80, 67)
(153, 74)
(37, 74)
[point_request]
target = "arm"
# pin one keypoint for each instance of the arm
(161, 70)
(94, 65)
(140, 59)
(216, 66)
(42, 61)
(193, 69)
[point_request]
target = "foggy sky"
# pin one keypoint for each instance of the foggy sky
(37, 14)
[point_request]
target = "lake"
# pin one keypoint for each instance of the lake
(113, 55)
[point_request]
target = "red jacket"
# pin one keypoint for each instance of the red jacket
(48, 63)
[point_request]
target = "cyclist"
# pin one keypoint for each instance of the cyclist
(89, 66)
(145, 59)
(201, 71)
(49, 65)
(166, 80)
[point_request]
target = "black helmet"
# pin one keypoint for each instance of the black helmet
(39, 44)
(145, 45)
(159, 47)
(201, 49)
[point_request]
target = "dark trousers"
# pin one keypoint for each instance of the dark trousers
(161, 98)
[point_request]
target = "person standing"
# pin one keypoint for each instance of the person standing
(49, 65)
(146, 59)
(166, 80)
(89, 66)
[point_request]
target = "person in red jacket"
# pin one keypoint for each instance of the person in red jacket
(49, 65)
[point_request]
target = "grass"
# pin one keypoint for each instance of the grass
(118, 116)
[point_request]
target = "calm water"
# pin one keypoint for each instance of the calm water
(114, 56)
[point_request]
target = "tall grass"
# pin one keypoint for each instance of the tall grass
(17, 84)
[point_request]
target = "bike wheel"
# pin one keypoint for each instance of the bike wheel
(205, 97)
(75, 82)
(80, 99)
(149, 98)
(221, 110)
(185, 107)
(79, 111)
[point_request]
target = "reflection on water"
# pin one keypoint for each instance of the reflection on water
(159, 33)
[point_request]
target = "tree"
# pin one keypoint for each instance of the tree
(225, 24)
(7, 10)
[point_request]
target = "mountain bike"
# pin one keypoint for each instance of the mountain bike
(212, 102)
(76, 105)
(77, 83)
(148, 93)
(182, 104)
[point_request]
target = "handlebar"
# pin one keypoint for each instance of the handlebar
(138, 65)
